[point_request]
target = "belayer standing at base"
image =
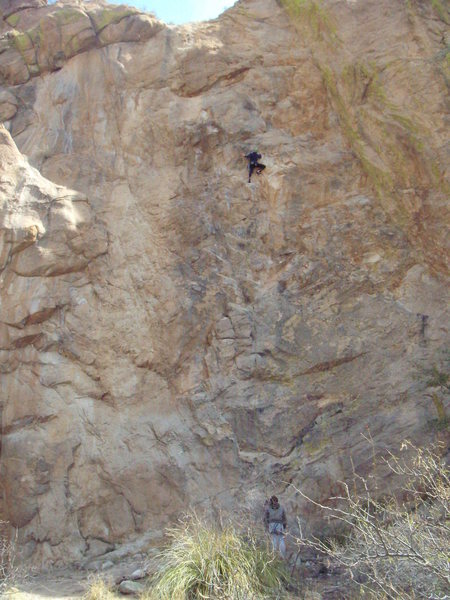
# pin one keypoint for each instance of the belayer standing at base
(253, 164)
(276, 523)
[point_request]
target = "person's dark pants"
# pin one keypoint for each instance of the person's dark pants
(258, 166)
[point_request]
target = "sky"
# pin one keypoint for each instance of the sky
(181, 11)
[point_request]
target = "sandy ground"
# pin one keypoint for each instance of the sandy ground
(72, 584)
(58, 584)
(68, 584)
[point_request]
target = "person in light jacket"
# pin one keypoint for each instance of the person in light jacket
(276, 523)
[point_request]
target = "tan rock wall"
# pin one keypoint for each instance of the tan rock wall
(172, 337)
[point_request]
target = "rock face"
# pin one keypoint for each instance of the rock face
(173, 337)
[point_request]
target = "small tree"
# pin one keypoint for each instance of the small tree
(397, 545)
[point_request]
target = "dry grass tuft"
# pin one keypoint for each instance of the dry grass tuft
(99, 589)
(216, 564)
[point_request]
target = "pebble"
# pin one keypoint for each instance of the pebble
(131, 588)
(138, 574)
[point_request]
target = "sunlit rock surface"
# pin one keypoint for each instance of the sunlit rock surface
(172, 337)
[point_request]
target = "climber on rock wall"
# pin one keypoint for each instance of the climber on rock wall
(253, 164)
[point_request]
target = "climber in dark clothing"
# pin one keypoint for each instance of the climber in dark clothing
(253, 164)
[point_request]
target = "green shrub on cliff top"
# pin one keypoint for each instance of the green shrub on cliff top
(110, 16)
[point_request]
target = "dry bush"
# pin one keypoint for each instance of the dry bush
(8, 571)
(397, 546)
